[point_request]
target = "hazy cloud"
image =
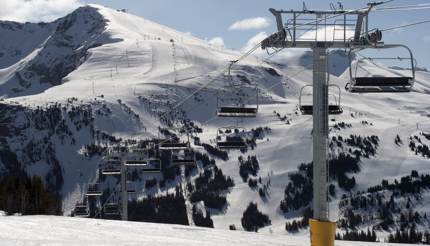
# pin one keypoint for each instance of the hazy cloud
(36, 10)
(286, 56)
(427, 38)
(217, 41)
(249, 24)
(254, 41)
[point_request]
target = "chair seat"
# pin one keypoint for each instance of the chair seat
(231, 145)
(173, 146)
(136, 163)
(382, 81)
(237, 112)
(332, 109)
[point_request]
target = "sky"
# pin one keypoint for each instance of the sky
(231, 23)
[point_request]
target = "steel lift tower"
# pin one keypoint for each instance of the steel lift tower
(334, 29)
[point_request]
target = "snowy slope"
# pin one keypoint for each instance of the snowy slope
(44, 230)
(132, 58)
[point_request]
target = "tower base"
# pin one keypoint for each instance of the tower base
(322, 232)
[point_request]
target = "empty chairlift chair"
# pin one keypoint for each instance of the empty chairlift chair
(111, 209)
(137, 157)
(94, 190)
(81, 210)
(183, 157)
(227, 138)
(111, 167)
(396, 82)
(236, 109)
(334, 107)
(133, 162)
(145, 159)
(153, 166)
(173, 146)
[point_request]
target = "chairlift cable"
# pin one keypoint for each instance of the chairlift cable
(404, 7)
(406, 25)
(250, 51)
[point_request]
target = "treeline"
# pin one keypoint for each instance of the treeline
(210, 187)
(168, 209)
(201, 220)
(411, 236)
(28, 196)
(388, 206)
(253, 219)
(247, 167)
(417, 146)
(346, 154)
(296, 225)
(362, 236)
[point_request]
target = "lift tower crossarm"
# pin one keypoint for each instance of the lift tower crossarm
(287, 36)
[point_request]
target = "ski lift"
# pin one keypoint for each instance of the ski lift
(111, 167)
(174, 146)
(225, 140)
(81, 210)
(138, 151)
(147, 165)
(135, 163)
(379, 84)
(333, 108)
(184, 157)
(146, 159)
(152, 166)
(111, 209)
(237, 109)
(136, 158)
(94, 190)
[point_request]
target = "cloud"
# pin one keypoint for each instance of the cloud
(249, 24)
(427, 38)
(285, 56)
(36, 10)
(254, 41)
(327, 34)
(217, 41)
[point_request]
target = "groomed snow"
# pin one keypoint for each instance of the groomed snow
(50, 230)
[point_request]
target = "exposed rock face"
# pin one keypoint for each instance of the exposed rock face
(56, 49)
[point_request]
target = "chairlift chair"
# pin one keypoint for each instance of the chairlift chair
(135, 163)
(138, 151)
(81, 210)
(224, 141)
(380, 84)
(185, 157)
(145, 159)
(237, 110)
(136, 158)
(333, 108)
(152, 166)
(94, 190)
(111, 167)
(111, 209)
(174, 146)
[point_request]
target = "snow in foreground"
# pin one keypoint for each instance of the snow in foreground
(49, 230)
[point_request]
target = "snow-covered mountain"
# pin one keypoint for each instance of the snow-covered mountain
(98, 76)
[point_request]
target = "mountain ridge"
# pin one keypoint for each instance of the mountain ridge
(128, 86)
